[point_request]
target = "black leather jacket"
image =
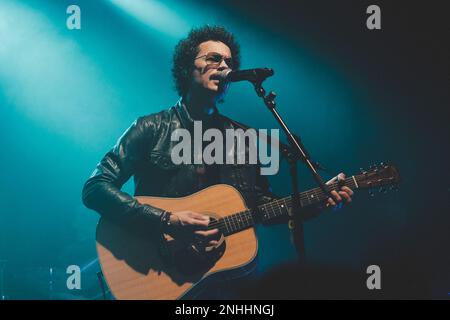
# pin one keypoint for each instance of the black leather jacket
(143, 151)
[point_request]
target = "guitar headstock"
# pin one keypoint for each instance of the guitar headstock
(379, 176)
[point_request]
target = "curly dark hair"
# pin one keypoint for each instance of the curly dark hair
(188, 48)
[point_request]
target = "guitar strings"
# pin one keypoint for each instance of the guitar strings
(221, 223)
(272, 205)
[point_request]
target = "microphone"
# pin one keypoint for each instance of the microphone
(252, 75)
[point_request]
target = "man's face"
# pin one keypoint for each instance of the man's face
(203, 69)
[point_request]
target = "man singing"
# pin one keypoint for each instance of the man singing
(144, 150)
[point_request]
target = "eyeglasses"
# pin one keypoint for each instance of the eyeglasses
(214, 59)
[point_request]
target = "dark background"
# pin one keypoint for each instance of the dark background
(356, 96)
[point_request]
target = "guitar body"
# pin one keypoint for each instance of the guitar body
(140, 268)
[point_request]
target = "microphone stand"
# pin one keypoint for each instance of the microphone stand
(295, 153)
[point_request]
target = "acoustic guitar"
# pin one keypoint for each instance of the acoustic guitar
(139, 267)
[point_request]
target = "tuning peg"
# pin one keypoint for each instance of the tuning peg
(382, 190)
(371, 193)
(382, 164)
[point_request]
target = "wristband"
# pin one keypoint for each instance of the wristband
(165, 220)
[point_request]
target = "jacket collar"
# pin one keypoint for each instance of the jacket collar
(184, 115)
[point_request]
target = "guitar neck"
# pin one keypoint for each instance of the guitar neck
(278, 208)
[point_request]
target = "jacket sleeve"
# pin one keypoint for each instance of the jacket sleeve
(102, 193)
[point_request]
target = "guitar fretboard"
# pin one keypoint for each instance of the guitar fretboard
(278, 208)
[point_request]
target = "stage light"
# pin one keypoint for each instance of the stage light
(45, 76)
(156, 15)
